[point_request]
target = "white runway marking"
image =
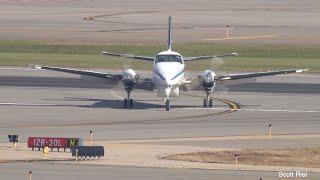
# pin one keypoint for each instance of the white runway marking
(259, 110)
(28, 104)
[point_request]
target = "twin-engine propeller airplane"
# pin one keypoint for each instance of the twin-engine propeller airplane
(168, 74)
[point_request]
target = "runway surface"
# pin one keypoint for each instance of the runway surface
(88, 83)
(43, 103)
(52, 172)
(144, 21)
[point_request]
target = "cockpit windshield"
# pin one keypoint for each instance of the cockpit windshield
(168, 58)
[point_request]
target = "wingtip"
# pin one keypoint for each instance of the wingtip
(104, 52)
(34, 66)
(302, 70)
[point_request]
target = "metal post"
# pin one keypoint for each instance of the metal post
(227, 31)
(91, 137)
(30, 175)
(270, 131)
(236, 160)
(76, 156)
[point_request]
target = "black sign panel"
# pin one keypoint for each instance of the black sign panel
(13, 138)
(88, 151)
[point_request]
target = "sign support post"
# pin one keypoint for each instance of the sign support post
(270, 132)
(91, 137)
(77, 156)
(236, 160)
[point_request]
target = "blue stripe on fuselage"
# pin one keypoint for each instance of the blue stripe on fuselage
(157, 73)
(182, 71)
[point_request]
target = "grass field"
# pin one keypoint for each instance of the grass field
(251, 58)
(295, 157)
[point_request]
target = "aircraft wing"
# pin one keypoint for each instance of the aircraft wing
(142, 83)
(146, 58)
(209, 57)
(82, 72)
(258, 74)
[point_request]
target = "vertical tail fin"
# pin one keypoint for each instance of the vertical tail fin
(170, 34)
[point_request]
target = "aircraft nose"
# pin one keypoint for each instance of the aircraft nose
(168, 81)
(166, 78)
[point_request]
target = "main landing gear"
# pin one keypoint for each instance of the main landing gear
(128, 102)
(208, 101)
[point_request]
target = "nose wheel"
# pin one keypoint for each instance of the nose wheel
(167, 102)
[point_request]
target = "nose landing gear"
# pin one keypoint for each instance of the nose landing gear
(167, 102)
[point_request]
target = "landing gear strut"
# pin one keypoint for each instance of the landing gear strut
(167, 104)
(208, 100)
(167, 101)
(128, 101)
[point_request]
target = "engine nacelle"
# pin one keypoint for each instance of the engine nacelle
(129, 77)
(207, 79)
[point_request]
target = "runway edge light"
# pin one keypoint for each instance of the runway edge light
(30, 175)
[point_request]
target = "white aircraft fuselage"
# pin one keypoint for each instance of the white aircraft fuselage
(168, 73)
